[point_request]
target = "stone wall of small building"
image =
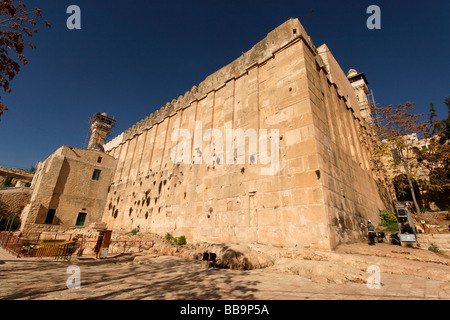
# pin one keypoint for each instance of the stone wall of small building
(64, 182)
(13, 200)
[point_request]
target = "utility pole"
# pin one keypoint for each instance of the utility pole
(307, 18)
(5, 238)
(373, 98)
(12, 221)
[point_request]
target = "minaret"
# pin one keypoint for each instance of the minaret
(101, 124)
(359, 84)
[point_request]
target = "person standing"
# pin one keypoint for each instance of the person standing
(371, 228)
(372, 234)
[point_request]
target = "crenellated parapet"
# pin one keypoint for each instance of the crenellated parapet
(276, 40)
(113, 143)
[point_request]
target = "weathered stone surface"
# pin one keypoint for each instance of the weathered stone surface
(13, 201)
(64, 182)
(322, 190)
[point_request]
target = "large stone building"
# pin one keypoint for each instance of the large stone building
(70, 187)
(312, 191)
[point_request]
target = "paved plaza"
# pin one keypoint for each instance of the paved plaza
(174, 278)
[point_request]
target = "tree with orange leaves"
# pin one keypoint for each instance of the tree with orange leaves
(436, 158)
(413, 145)
(397, 131)
(16, 25)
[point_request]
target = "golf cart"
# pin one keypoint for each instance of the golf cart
(405, 224)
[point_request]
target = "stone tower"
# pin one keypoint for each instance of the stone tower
(359, 84)
(101, 124)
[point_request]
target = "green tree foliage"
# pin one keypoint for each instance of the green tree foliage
(6, 182)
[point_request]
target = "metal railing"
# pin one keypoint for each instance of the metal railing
(32, 245)
(11, 243)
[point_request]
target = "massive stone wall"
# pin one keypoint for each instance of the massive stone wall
(316, 198)
(350, 193)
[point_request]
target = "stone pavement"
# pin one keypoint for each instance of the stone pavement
(176, 278)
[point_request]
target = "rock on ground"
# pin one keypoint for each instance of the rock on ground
(347, 263)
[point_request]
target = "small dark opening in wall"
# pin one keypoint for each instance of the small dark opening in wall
(96, 174)
(99, 160)
(50, 216)
(318, 174)
(81, 219)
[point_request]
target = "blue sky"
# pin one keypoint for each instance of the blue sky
(131, 57)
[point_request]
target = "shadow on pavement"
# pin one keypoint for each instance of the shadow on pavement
(169, 278)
